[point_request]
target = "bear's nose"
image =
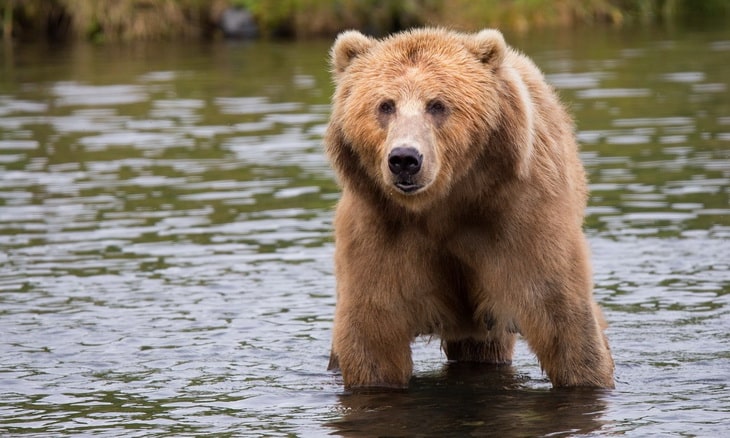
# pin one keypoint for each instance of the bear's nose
(404, 160)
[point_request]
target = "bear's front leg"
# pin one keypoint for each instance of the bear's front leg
(565, 331)
(371, 346)
(374, 315)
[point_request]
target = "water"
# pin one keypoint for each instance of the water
(165, 246)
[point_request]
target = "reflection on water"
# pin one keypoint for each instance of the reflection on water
(469, 400)
(165, 246)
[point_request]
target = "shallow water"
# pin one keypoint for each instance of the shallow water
(165, 246)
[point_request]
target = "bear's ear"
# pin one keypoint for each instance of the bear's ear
(348, 46)
(488, 46)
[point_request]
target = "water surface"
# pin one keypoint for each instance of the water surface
(165, 246)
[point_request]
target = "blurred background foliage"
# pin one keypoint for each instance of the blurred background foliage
(108, 20)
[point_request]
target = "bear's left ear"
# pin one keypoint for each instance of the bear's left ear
(488, 46)
(348, 46)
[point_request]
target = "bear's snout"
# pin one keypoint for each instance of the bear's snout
(404, 163)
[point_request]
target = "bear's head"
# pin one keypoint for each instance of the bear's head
(414, 113)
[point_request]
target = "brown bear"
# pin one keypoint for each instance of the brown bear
(461, 215)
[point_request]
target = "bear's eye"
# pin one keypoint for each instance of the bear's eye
(436, 108)
(386, 107)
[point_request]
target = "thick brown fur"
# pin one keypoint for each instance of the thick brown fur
(490, 241)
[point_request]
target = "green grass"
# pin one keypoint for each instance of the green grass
(101, 20)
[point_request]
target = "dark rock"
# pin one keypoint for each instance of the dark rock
(238, 23)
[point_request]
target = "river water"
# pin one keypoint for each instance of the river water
(166, 246)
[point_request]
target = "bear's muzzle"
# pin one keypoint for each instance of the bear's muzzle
(405, 163)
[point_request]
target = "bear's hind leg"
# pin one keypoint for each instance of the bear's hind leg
(334, 363)
(492, 350)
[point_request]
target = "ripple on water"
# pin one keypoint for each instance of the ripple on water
(254, 105)
(143, 140)
(73, 93)
(596, 93)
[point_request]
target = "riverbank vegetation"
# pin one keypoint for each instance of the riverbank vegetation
(100, 20)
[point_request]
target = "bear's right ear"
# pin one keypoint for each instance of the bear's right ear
(348, 46)
(488, 46)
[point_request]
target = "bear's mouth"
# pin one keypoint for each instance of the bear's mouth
(407, 186)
